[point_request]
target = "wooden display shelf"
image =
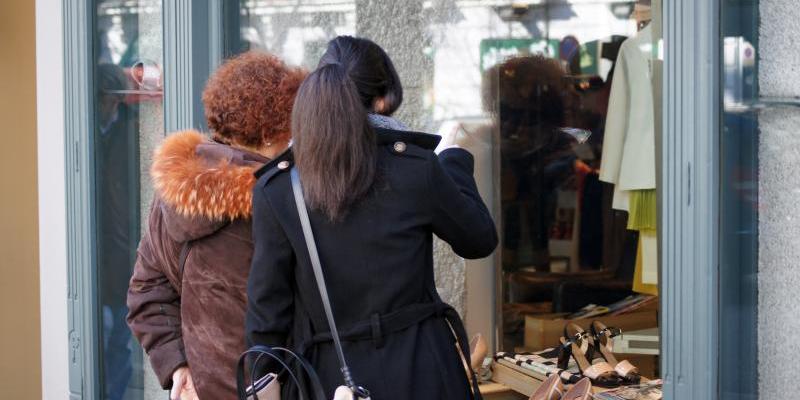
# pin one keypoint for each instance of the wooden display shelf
(498, 391)
(520, 380)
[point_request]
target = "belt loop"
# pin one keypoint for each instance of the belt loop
(377, 334)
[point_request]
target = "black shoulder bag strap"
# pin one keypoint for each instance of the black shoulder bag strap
(320, 278)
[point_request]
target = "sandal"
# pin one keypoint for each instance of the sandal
(581, 347)
(551, 389)
(603, 336)
(580, 391)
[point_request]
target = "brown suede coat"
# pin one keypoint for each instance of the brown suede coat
(194, 315)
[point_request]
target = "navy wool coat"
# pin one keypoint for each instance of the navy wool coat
(378, 264)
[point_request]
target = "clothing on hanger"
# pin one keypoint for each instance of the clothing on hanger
(628, 159)
(639, 286)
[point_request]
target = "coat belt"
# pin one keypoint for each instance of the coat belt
(379, 326)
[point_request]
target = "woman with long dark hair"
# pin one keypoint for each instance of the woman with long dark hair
(376, 197)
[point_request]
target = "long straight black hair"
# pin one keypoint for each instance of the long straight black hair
(333, 142)
(370, 68)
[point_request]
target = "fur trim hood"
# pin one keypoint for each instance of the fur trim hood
(201, 179)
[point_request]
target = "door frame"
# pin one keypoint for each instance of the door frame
(689, 212)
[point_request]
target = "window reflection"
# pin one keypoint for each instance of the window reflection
(525, 86)
(127, 102)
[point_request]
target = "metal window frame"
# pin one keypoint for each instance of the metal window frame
(84, 373)
(194, 43)
(188, 58)
(689, 197)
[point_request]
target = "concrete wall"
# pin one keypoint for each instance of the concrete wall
(779, 186)
(20, 376)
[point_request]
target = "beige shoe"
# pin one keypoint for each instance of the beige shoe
(604, 343)
(551, 389)
(581, 391)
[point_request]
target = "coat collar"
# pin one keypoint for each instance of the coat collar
(204, 179)
(425, 140)
(384, 137)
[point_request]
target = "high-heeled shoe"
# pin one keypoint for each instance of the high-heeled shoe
(603, 337)
(551, 389)
(580, 391)
(580, 346)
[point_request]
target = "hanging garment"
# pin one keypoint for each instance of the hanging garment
(628, 159)
(642, 217)
(638, 284)
(591, 239)
(649, 241)
(643, 213)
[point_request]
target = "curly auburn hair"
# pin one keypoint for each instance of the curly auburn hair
(248, 100)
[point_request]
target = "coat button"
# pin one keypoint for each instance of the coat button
(283, 165)
(399, 147)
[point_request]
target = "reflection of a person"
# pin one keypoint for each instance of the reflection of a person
(533, 100)
(116, 166)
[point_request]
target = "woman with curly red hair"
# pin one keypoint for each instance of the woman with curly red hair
(187, 296)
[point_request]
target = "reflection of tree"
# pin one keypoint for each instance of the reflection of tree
(531, 16)
(118, 29)
(297, 30)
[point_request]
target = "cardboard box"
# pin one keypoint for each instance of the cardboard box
(544, 330)
(647, 363)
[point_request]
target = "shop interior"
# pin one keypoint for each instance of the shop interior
(574, 126)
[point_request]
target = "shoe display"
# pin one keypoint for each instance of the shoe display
(603, 339)
(551, 389)
(580, 391)
(580, 346)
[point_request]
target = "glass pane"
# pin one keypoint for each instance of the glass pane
(528, 88)
(739, 164)
(128, 117)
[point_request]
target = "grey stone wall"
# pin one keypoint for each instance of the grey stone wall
(401, 29)
(779, 186)
(151, 132)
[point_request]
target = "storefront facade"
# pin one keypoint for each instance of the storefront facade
(724, 106)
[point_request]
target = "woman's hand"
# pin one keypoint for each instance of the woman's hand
(449, 139)
(182, 385)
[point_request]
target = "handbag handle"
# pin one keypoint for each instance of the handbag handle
(316, 265)
(271, 352)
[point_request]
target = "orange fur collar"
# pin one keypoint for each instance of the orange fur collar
(198, 186)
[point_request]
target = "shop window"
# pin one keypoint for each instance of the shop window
(559, 103)
(128, 120)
